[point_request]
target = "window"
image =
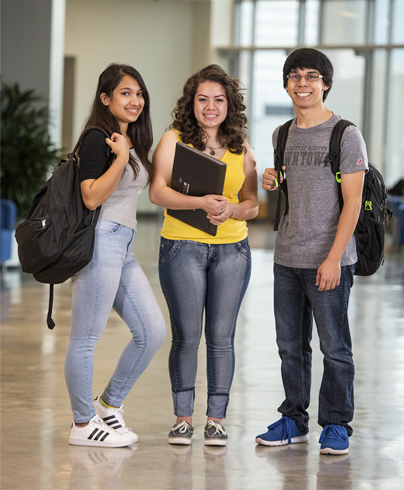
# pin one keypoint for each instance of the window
(361, 37)
(344, 22)
(276, 23)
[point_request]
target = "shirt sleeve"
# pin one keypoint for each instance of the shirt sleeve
(93, 155)
(353, 151)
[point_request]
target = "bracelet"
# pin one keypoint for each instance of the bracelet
(234, 212)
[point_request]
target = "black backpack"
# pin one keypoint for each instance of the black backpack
(374, 215)
(56, 240)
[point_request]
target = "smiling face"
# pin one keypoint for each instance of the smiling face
(210, 105)
(306, 94)
(126, 102)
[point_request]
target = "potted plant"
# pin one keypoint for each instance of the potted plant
(27, 153)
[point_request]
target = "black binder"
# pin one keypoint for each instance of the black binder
(196, 174)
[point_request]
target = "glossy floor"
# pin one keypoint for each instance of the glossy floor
(36, 416)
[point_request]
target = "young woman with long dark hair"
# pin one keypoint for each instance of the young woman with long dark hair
(113, 278)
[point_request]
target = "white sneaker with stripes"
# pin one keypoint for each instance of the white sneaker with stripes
(97, 433)
(114, 419)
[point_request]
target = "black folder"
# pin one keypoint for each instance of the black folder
(196, 174)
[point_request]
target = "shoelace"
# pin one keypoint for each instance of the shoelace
(286, 429)
(182, 427)
(118, 412)
(219, 429)
(337, 432)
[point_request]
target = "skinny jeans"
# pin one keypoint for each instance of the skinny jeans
(296, 301)
(203, 280)
(113, 279)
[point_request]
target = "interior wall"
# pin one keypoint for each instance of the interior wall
(201, 13)
(32, 51)
(25, 43)
(167, 41)
(222, 30)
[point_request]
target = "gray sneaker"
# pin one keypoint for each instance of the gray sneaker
(215, 434)
(181, 433)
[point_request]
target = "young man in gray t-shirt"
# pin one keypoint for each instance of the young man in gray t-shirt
(315, 258)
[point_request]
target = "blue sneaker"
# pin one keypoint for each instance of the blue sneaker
(284, 431)
(334, 440)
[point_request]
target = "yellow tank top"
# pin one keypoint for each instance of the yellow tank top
(232, 230)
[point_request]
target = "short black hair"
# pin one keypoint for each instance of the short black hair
(306, 58)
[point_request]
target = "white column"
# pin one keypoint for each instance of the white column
(57, 38)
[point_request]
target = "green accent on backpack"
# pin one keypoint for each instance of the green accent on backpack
(368, 205)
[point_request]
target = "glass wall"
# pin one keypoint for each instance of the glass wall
(364, 40)
(344, 22)
(273, 21)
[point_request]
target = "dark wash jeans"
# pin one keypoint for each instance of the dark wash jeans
(198, 280)
(296, 301)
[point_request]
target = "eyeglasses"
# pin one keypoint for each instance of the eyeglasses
(310, 77)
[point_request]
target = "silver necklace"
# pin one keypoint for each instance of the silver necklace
(212, 150)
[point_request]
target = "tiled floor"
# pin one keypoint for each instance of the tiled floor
(36, 416)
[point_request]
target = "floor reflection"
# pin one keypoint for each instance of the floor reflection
(36, 414)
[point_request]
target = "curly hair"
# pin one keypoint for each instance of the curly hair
(232, 131)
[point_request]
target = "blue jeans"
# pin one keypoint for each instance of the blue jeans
(113, 279)
(296, 301)
(198, 278)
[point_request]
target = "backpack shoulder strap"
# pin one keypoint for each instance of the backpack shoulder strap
(84, 134)
(335, 143)
(278, 162)
(334, 153)
(281, 144)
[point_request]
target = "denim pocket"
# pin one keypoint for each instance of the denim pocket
(106, 227)
(168, 248)
(244, 248)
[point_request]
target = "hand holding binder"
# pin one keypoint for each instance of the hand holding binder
(196, 174)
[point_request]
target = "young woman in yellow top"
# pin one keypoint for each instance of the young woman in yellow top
(203, 275)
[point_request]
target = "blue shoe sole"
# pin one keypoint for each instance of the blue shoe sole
(336, 452)
(283, 442)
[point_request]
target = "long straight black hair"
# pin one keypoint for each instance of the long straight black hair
(140, 132)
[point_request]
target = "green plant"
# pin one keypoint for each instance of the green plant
(27, 153)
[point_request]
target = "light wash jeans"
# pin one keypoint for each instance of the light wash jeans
(296, 300)
(113, 279)
(197, 279)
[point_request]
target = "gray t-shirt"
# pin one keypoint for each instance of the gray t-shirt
(122, 205)
(307, 232)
